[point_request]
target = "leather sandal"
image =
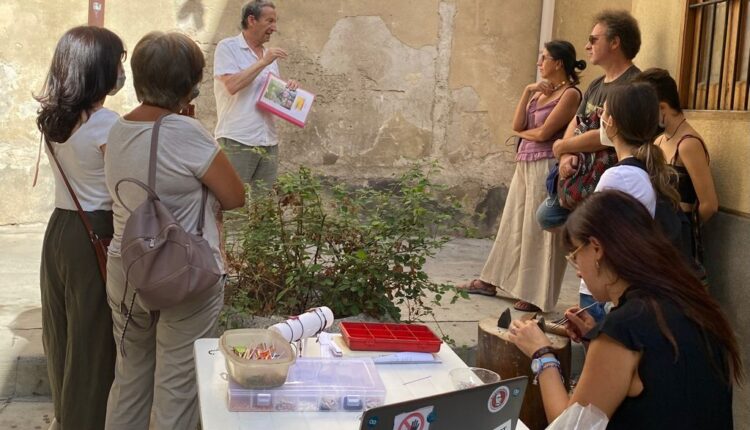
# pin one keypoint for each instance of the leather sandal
(477, 286)
(524, 306)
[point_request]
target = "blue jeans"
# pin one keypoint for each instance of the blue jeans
(597, 311)
(550, 214)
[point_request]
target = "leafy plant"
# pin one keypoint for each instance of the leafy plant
(356, 250)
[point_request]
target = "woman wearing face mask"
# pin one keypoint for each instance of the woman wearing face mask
(526, 261)
(154, 386)
(629, 122)
(665, 357)
(76, 322)
(686, 152)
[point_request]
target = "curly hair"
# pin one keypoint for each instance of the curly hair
(621, 24)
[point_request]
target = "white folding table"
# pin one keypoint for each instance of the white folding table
(402, 382)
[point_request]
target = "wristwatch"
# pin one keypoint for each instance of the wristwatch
(539, 364)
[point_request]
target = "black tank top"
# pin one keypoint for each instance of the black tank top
(685, 183)
(689, 392)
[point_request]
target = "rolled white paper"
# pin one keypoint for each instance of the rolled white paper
(306, 325)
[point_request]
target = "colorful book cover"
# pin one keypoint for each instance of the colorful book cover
(291, 105)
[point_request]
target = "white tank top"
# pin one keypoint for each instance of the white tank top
(82, 159)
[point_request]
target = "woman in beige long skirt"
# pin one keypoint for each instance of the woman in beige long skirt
(525, 261)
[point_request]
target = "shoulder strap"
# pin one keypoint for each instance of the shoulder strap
(573, 87)
(152, 173)
(81, 214)
(687, 136)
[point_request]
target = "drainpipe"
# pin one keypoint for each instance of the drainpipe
(545, 30)
(96, 13)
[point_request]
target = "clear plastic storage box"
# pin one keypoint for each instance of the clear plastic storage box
(316, 384)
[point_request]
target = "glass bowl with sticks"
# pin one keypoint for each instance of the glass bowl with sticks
(256, 358)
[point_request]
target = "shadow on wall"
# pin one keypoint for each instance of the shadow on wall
(726, 237)
(192, 10)
(487, 213)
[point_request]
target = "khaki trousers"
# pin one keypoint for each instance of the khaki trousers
(526, 261)
(76, 321)
(155, 386)
(256, 165)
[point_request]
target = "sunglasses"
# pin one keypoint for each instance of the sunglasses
(543, 58)
(571, 256)
(594, 38)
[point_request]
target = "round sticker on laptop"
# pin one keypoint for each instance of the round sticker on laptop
(498, 399)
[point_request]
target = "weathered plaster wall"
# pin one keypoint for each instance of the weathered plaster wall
(25, 53)
(396, 82)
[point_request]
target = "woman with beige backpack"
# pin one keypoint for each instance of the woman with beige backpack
(154, 386)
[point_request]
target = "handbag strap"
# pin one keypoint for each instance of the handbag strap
(152, 173)
(92, 234)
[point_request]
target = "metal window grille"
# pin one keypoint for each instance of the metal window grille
(716, 54)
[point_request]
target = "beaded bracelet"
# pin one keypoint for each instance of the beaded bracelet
(547, 366)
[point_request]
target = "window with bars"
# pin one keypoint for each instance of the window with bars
(716, 51)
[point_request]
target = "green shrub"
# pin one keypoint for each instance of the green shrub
(357, 251)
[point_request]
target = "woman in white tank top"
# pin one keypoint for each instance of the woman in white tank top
(76, 320)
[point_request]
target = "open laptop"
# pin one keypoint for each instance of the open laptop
(487, 407)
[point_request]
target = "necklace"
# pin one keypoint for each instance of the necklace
(558, 86)
(675, 130)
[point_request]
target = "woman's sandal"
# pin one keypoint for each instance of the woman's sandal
(526, 307)
(477, 286)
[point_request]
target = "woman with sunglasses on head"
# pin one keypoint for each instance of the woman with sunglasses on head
(665, 357)
(525, 261)
(76, 320)
(688, 155)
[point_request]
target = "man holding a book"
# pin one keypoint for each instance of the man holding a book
(241, 67)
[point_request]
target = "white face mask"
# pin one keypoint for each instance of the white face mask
(120, 83)
(603, 137)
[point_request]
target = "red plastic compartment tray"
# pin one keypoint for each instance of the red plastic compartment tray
(389, 337)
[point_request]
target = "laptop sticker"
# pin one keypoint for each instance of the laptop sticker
(505, 426)
(498, 399)
(414, 420)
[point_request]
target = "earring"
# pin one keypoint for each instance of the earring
(597, 266)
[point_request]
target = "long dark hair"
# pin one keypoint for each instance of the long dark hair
(638, 252)
(635, 109)
(565, 51)
(664, 84)
(84, 69)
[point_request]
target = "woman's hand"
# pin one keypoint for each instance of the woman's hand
(578, 325)
(543, 87)
(568, 165)
(527, 336)
(292, 85)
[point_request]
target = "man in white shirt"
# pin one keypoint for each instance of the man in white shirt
(241, 68)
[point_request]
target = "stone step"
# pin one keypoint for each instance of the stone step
(26, 413)
(23, 366)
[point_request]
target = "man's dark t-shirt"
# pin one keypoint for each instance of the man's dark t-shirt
(595, 96)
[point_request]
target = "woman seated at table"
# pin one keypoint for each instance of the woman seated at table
(665, 357)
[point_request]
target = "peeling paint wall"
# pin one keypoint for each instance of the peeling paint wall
(396, 83)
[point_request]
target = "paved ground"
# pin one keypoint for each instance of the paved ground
(24, 388)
